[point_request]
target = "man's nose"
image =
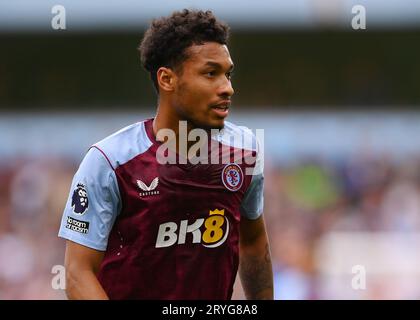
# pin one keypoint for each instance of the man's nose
(226, 89)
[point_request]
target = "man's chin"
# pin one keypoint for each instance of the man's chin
(218, 124)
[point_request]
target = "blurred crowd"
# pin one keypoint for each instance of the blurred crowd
(314, 198)
(304, 201)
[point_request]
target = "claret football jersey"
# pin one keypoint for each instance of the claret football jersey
(168, 230)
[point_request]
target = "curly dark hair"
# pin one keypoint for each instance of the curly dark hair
(165, 42)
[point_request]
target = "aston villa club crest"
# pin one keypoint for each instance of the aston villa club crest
(79, 200)
(232, 177)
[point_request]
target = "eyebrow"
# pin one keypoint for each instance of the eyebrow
(218, 65)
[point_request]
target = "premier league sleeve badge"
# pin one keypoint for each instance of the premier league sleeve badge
(79, 200)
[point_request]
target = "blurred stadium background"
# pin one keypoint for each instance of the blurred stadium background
(340, 109)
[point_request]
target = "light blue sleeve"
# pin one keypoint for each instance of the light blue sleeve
(93, 203)
(252, 204)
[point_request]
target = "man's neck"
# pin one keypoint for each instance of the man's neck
(166, 119)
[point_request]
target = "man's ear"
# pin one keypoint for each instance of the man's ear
(166, 79)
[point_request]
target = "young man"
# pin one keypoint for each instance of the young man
(140, 229)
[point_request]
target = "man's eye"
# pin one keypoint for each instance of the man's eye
(211, 73)
(229, 75)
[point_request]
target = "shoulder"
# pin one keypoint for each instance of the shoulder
(238, 137)
(125, 144)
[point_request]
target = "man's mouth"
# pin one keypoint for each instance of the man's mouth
(222, 108)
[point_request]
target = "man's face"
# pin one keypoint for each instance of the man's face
(203, 91)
